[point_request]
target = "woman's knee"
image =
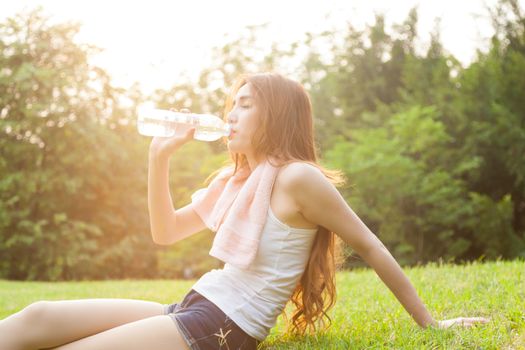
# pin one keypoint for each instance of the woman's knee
(16, 331)
(36, 312)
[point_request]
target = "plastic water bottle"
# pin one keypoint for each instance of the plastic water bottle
(160, 122)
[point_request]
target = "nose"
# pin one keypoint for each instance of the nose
(231, 118)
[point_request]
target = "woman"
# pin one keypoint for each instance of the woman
(294, 257)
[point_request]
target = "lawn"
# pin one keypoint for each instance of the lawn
(366, 316)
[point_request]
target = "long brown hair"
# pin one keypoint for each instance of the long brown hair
(286, 134)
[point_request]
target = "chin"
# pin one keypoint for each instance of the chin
(232, 148)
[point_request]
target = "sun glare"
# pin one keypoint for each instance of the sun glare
(157, 42)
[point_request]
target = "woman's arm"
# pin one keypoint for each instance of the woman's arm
(167, 224)
(162, 215)
(321, 203)
(387, 268)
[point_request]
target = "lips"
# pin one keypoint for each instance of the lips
(232, 134)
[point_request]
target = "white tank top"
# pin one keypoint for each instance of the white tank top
(254, 297)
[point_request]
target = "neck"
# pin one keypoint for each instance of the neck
(253, 162)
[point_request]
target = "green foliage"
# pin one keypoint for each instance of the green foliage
(433, 150)
(73, 170)
(419, 208)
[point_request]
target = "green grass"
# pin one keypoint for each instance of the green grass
(366, 316)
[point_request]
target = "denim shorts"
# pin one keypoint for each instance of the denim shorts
(204, 326)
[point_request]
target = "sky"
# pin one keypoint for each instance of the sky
(156, 42)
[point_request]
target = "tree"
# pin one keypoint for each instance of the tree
(70, 186)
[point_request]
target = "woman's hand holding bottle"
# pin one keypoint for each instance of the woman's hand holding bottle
(164, 147)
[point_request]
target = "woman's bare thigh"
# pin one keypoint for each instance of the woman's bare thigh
(159, 333)
(52, 323)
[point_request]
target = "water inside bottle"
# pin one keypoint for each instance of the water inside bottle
(155, 127)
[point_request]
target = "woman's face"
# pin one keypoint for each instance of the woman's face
(244, 120)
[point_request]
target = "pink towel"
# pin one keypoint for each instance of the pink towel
(236, 208)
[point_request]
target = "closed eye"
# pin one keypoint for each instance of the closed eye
(243, 100)
(242, 106)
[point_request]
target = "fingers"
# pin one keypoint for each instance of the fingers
(189, 133)
(182, 110)
(471, 321)
(479, 319)
(462, 322)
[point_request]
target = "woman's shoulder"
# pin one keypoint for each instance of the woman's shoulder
(294, 173)
(297, 168)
